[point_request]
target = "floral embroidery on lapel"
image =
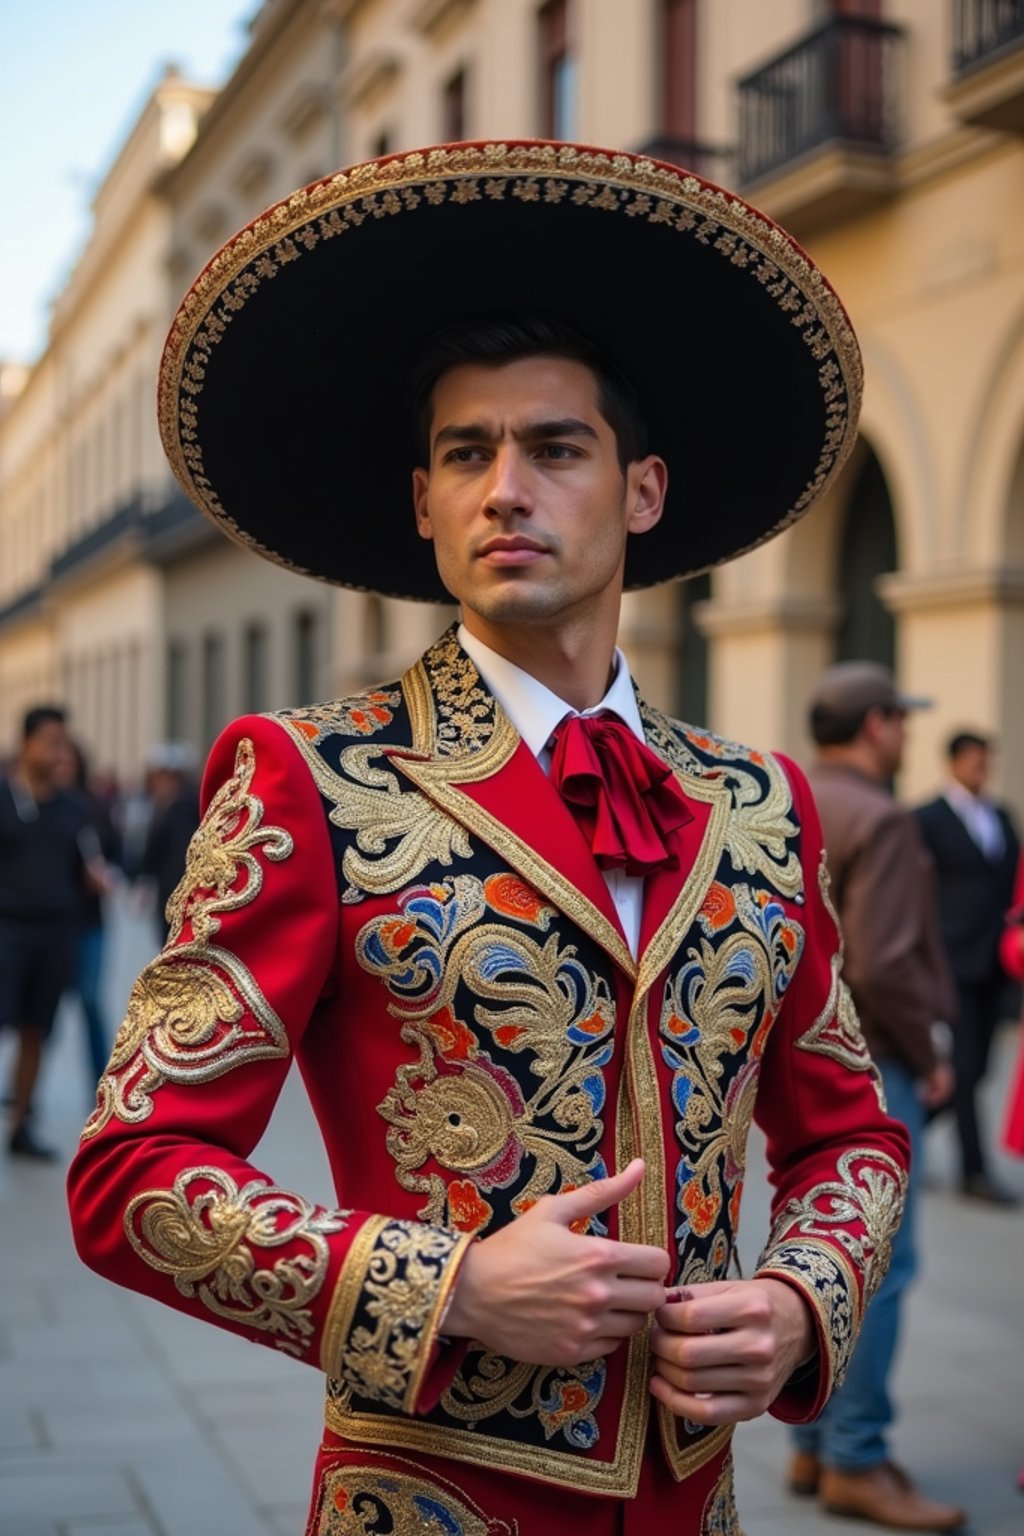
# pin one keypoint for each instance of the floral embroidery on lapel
(465, 711)
(716, 1013)
(762, 829)
(536, 1091)
(512, 1034)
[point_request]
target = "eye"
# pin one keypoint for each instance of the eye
(557, 451)
(466, 455)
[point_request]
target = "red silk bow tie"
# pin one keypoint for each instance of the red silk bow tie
(624, 798)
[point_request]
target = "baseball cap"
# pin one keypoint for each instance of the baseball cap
(850, 688)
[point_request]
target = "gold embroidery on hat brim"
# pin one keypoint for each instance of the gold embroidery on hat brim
(535, 173)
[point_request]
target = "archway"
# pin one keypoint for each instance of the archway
(866, 549)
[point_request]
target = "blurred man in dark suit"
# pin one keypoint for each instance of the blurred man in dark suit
(975, 846)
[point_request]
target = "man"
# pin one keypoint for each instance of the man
(893, 965)
(975, 846)
(42, 865)
(534, 945)
(171, 782)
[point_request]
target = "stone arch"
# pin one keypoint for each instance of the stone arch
(990, 501)
(891, 430)
(867, 548)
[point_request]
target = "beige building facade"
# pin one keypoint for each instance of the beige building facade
(887, 134)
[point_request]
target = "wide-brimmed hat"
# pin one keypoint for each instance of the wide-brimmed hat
(284, 400)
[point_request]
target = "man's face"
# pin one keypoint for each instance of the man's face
(46, 750)
(524, 499)
(971, 767)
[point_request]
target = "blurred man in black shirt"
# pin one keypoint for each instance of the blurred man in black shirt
(42, 861)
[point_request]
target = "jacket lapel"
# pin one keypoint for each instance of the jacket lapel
(673, 896)
(472, 763)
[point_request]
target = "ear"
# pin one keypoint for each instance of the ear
(420, 484)
(646, 487)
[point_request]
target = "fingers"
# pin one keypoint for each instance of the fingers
(631, 1295)
(724, 1408)
(715, 1307)
(599, 1196)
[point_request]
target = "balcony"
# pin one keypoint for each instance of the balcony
(988, 64)
(819, 124)
(717, 165)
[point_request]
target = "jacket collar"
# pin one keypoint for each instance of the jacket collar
(469, 759)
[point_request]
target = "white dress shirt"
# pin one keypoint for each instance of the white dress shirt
(980, 818)
(535, 712)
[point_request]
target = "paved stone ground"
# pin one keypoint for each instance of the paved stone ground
(120, 1418)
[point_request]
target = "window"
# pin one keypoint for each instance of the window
(557, 72)
(214, 703)
(306, 653)
(454, 126)
(679, 69)
(254, 669)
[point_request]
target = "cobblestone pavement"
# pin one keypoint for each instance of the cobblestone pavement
(119, 1417)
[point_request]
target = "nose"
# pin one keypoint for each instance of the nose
(507, 490)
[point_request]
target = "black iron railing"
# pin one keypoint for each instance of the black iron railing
(839, 83)
(713, 164)
(26, 602)
(985, 27)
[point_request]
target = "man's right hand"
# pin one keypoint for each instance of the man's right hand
(538, 1292)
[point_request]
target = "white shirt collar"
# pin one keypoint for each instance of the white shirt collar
(962, 799)
(532, 708)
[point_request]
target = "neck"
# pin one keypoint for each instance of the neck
(38, 784)
(857, 755)
(574, 662)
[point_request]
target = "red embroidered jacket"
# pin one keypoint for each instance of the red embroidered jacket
(389, 888)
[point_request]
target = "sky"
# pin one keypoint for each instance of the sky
(74, 75)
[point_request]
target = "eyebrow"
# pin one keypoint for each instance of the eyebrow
(476, 432)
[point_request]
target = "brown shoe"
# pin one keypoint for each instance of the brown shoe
(803, 1473)
(886, 1496)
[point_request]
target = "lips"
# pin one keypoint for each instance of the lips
(511, 542)
(511, 550)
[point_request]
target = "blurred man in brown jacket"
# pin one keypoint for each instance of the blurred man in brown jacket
(884, 888)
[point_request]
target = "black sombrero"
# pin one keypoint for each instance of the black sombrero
(283, 393)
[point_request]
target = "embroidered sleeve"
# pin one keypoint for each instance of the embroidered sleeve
(838, 1162)
(163, 1196)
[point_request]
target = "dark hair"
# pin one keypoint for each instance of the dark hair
(40, 715)
(964, 739)
(496, 342)
(838, 727)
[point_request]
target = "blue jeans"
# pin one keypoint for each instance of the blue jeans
(88, 977)
(850, 1432)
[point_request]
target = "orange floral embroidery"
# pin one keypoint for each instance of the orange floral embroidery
(514, 898)
(396, 935)
(702, 1209)
(719, 907)
(467, 1210)
(527, 1203)
(454, 1040)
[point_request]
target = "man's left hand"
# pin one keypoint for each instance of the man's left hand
(725, 1351)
